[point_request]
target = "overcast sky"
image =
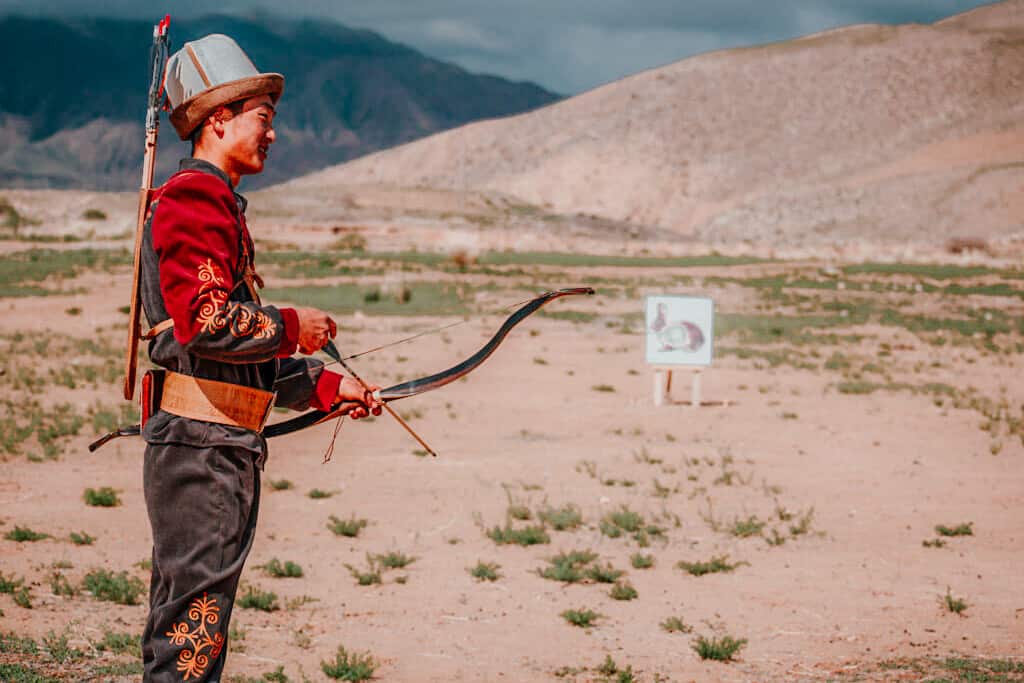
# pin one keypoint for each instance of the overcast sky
(564, 45)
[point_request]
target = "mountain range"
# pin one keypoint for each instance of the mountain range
(71, 114)
(868, 132)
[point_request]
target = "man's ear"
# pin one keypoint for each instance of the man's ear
(217, 120)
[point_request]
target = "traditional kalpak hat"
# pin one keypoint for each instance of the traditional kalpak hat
(209, 73)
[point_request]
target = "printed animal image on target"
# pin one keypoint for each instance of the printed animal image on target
(679, 330)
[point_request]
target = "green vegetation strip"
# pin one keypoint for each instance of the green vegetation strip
(21, 271)
(425, 298)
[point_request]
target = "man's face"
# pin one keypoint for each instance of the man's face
(249, 134)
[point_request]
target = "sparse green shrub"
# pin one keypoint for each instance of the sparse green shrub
(120, 643)
(317, 494)
(520, 512)
(744, 528)
(94, 215)
(394, 560)
(23, 534)
(485, 571)
(567, 567)
(582, 618)
(349, 666)
(60, 585)
(675, 625)
(347, 527)
(370, 576)
(641, 561)
(954, 605)
(529, 535)
(281, 484)
(719, 649)
(567, 517)
(82, 538)
(56, 645)
(603, 574)
(623, 590)
(937, 543)
(256, 598)
(715, 564)
(118, 588)
(966, 529)
(288, 570)
(103, 497)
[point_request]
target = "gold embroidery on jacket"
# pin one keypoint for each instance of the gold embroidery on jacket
(193, 660)
(214, 314)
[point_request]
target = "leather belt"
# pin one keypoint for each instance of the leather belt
(220, 402)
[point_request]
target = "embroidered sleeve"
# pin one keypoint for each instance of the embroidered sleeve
(195, 235)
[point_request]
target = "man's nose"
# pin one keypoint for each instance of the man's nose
(271, 135)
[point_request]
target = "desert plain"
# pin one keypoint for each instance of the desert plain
(845, 506)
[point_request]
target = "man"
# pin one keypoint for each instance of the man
(223, 352)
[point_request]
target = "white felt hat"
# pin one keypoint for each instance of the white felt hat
(209, 73)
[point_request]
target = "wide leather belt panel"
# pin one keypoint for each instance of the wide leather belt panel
(219, 402)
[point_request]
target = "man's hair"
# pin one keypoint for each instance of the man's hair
(234, 107)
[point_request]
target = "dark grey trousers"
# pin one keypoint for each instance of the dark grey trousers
(202, 505)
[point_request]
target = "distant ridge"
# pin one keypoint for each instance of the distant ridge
(71, 115)
(911, 132)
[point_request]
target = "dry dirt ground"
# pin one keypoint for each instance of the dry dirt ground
(855, 410)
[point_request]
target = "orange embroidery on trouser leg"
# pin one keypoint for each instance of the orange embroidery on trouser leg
(193, 660)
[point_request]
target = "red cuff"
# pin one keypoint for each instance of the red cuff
(290, 340)
(326, 391)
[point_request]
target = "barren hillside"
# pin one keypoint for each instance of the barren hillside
(911, 133)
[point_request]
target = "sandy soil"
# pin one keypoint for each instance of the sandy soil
(878, 471)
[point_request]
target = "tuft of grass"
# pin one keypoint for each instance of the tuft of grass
(744, 528)
(965, 529)
(952, 604)
(370, 576)
(82, 538)
(349, 528)
(18, 590)
(56, 645)
(317, 494)
(94, 215)
(529, 535)
(348, 666)
(60, 585)
(12, 643)
(519, 512)
(394, 560)
(288, 570)
(623, 590)
(23, 534)
(714, 565)
(105, 497)
(722, 649)
(119, 588)
(565, 518)
(120, 643)
(937, 543)
(603, 574)
(624, 519)
(256, 598)
(281, 484)
(641, 561)
(567, 567)
(675, 625)
(582, 618)
(604, 388)
(485, 571)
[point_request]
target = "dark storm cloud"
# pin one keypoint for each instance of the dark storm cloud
(565, 45)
